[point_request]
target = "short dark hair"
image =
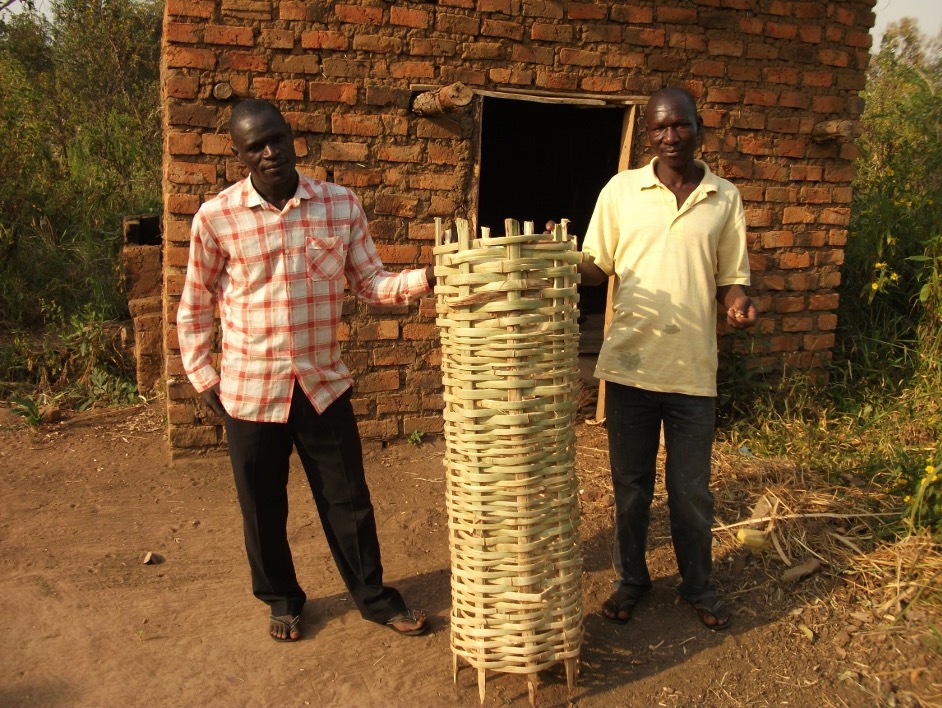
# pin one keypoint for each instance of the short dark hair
(676, 92)
(251, 108)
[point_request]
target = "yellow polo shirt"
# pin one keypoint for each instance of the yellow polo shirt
(669, 263)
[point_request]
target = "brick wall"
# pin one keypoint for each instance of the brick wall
(765, 72)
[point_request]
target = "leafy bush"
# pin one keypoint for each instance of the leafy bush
(80, 143)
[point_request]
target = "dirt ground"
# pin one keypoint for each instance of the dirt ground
(86, 623)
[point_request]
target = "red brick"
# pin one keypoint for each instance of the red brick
(817, 79)
(810, 33)
(783, 125)
(502, 28)
(794, 261)
(296, 64)
(291, 90)
(837, 237)
(791, 148)
(473, 77)
(836, 216)
(403, 254)
(645, 36)
(778, 239)
(179, 203)
(666, 63)
(755, 145)
(708, 67)
(797, 215)
(277, 39)
(345, 152)
(718, 94)
(817, 342)
(558, 80)
(437, 47)
(761, 51)
(502, 6)
(428, 425)
(189, 58)
(725, 47)
(518, 77)
(386, 96)
(600, 84)
(396, 205)
(412, 70)
(418, 19)
(332, 92)
(452, 25)
(820, 301)
(377, 381)
(779, 30)
(833, 57)
(324, 39)
(215, 144)
(376, 43)
(747, 120)
(750, 25)
(744, 72)
(243, 61)
(182, 86)
(358, 177)
(677, 15)
(191, 8)
(378, 429)
(359, 15)
(227, 34)
(179, 143)
(546, 32)
(352, 124)
(400, 153)
(191, 172)
(797, 324)
(182, 32)
(443, 182)
(579, 57)
(303, 10)
(585, 11)
(788, 304)
(687, 40)
(398, 403)
(264, 87)
(623, 60)
(632, 14)
(837, 172)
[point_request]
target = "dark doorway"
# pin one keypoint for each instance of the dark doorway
(542, 162)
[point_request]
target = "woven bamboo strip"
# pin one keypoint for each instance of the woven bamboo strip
(507, 313)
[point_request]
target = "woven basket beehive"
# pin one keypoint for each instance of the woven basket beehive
(507, 313)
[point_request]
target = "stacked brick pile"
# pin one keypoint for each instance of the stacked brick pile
(767, 75)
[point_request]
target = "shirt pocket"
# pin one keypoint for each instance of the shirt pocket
(325, 257)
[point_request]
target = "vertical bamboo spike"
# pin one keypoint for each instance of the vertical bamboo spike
(564, 223)
(572, 672)
(454, 668)
(438, 231)
(485, 232)
(532, 685)
(464, 233)
(527, 228)
(482, 688)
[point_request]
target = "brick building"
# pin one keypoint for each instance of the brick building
(557, 86)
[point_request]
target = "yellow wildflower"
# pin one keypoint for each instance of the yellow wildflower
(874, 286)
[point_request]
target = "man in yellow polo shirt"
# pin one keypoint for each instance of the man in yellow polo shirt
(674, 235)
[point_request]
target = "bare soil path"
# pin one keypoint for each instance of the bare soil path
(85, 623)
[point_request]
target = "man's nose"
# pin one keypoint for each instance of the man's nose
(671, 135)
(270, 150)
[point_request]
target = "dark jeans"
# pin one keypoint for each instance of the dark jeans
(329, 447)
(634, 419)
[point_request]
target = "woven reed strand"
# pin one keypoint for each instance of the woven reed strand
(507, 313)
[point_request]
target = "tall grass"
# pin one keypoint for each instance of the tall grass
(878, 421)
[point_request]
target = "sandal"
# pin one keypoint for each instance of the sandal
(415, 616)
(621, 602)
(291, 625)
(712, 613)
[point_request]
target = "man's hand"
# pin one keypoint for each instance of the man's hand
(211, 398)
(740, 310)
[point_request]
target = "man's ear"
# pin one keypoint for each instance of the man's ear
(235, 152)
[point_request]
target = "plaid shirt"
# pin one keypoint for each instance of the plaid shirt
(278, 278)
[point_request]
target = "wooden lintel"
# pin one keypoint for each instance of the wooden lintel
(594, 99)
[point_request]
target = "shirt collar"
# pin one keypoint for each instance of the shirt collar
(709, 183)
(249, 197)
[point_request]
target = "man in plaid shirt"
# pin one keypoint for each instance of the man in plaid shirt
(272, 252)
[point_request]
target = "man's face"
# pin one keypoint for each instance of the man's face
(265, 145)
(673, 129)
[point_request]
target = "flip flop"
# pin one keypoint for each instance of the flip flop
(621, 601)
(409, 616)
(291, 625)
(712, 608)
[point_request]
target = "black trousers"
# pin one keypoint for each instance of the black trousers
(329, 447)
